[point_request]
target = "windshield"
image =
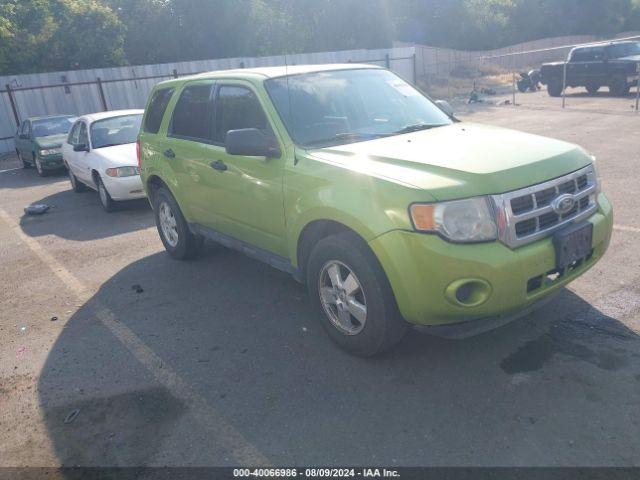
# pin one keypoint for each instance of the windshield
(115, 131)
(344, 106)
(624, 50)
(52, 126)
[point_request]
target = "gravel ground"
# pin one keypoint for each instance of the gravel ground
(220, 361)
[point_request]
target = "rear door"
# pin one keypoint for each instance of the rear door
(24, 141)
(82, 158)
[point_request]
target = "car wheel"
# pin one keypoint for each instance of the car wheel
(174, 231)
(554, 88)
(76, 185)
(619, 86)
(592, 88)
(41, 171)
(522, 86)
(25, 164)
(107, 202)
(352, 295)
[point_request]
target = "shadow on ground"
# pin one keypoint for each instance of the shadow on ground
(80, 216)
(559, 387)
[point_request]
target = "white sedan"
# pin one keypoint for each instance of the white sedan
(100, 153)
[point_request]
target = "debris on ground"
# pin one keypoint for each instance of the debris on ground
(137, 288)
(504, 102)
(53, 319)
(488, 91)
(23, 329)
(72, 416)
(21, 351)
(474, 97)
(37, 209)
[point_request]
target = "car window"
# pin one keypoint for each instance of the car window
(25, 128)
(598, 54)
(52, 126)
(83, 139)
(582, 55)
(623, 50)
(156, 109)
(191, 117)
(72, 139)
(120, 130)
(342, 106)
(237, 107)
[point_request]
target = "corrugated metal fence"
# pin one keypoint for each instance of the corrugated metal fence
(85, 91)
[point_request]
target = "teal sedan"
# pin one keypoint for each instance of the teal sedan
(39, 142)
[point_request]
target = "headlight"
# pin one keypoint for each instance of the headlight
(49, 151)
(122, 171)
(470, 220)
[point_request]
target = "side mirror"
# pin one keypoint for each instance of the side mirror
(81, 147)
(445, 107)
(251, 142)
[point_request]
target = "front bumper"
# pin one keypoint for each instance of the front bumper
(422, 268)
(51, 162)
(124, 188)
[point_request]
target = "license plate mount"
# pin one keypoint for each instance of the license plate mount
(573, 243)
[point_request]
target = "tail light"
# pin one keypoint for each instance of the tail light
(138, 151)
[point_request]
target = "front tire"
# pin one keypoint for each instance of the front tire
(41, 171)
(352, 295)
(554, 88)
(174, 231)
(592, 88)
(108, 204)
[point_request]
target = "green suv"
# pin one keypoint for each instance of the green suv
(39, 141)
(392, 211)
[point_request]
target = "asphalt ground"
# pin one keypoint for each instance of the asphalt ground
(220, 361)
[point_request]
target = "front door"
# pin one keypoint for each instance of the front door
(250, 206)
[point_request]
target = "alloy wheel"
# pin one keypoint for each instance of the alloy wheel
(168, 224)
(342, 297)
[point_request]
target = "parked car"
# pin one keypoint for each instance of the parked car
(39, 140)
(100, 153)
(611, 64)
(390, 210)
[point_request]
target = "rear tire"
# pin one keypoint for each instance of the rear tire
(522, 86)
(76, 185)
(619, 86)
(108, 204)
(25, 164)
(554, 88)
(174, 231)
(359, 313)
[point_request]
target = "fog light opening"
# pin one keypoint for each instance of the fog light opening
(469, 292)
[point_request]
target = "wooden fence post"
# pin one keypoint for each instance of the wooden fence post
(102, 97)
(14, 108)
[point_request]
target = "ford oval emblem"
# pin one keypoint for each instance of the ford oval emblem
(563, 204)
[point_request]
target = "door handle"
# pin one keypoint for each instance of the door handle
(169, 153)
(219, 165)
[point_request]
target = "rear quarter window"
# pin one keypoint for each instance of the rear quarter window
(155, 111)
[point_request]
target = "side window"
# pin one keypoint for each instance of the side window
(582, 55)
(82, 135)
(192, 114)
(156, 109)
(72, 139)
(237, 107)
(598, 54)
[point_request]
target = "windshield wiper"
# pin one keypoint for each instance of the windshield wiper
(354, 136)
(417, 127)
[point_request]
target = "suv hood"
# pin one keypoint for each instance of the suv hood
(50, 141)
(459, 160)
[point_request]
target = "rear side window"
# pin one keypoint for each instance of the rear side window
(157, 107)
(582, 55)
(192, 114)
(237, 107)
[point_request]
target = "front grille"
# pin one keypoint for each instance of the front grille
(530, 213)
